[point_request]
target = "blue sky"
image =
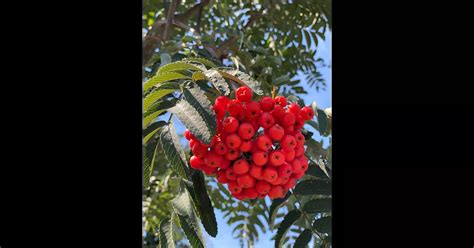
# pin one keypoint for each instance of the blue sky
(323, 99)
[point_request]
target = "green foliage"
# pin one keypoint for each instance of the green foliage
(313, 187)
(166, 233)
(323, 224)
(194, 110)
(163, 77)
(149, 154)
(173, 150)
(276, 204)
(176, 66)
(303, 239)
(155, 110)
(218, 81)
(322, 205)
(203, 203)
(243, 79)
(214, 47)
(289, 219)
(183, 207)
(159, 92)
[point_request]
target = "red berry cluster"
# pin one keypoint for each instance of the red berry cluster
(253, 163)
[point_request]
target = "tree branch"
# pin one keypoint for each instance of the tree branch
(198, 20)
(155, 35)
(169, 19)
(192, 11)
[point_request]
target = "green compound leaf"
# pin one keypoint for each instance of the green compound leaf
(288, 220)
(173, 150)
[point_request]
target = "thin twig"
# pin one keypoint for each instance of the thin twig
(169, 19)
(273, 91)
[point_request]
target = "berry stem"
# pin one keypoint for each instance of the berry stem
(273, 91)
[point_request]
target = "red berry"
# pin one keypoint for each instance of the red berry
(289, 155)
(288, 119)
(251, 193)
(222, 101)
(234, 187)
(294, 108)
(266, 120)
(275, 192)
(192, 143)
(241, 116)
(289, 129)
(284, 179)
(225, 163)
(278, 112)
(241, 166)
(246, 181)
(212, 159)
(252, 110)
(254, 123)
(299, 151)
(233, 141)
(296, 166)
(256, 172)
(220, 111)
(230, 124)
(234, 107)
(254, 147)
(288, 142)
(246, 131)
(210, 171)
(276, 132)
(219, 126)
(277, 181)
(299, 122)
(280, 100)
(232, 154)
(304, 161)
(299, 138)
(230, 174)
(269, 174)
(304, 166)
(222, 177)
(246, 145)
(260, 158)
(264, 142)
(243, 94)
(307, 113)
(285, 170)
(220, 148)
(289, 184)
(187, 134)
(241, 196)
(267, 103)
(276, 158)
(196, 162)
(199, 150)
(298, 175)
(262, 187)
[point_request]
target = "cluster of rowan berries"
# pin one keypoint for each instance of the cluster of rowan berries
(251, 162)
